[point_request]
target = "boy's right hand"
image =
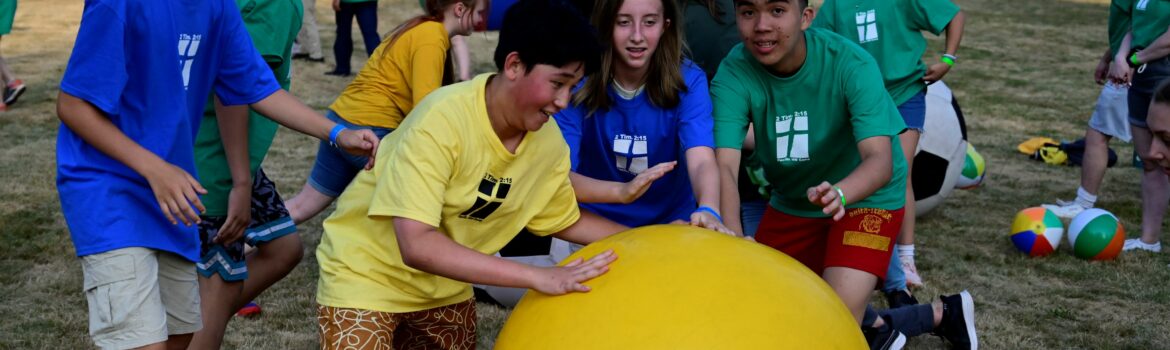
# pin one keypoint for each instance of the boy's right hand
(359, 142)
(634, 189)
(569, 278)
(176, 192)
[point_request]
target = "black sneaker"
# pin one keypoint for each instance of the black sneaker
(958, 321)
(900, 298)
(884, 338)
(15, 89)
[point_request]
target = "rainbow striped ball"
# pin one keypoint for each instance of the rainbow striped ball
(1037, 231)
(1095, 234)
(974, 168)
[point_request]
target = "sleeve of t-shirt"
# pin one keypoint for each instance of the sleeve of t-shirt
(730, 102)
(933, 15)
(426, 70)
(561, 210)
(871, 110)
(97, 69)
(696, 128)
(242, 76)
(267, 28)
(413, 176)
(1120, 23)
(826, 17)
(569, 121)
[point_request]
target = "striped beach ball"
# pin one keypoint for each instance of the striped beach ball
(1095, 234)
(1037, 231)
(974, 168)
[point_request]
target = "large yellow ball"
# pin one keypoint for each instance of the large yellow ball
(679, 287)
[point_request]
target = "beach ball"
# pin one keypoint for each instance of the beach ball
(942, 146)
(1095, 234)
(682, 287)
(973, 170)
(1037, 231)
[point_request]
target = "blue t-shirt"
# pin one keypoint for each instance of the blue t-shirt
(126, 64)
(633, 135)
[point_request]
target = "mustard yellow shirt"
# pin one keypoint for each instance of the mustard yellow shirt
(445, 167)
(396, 78)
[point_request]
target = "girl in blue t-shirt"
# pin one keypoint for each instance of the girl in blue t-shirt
(644, 112)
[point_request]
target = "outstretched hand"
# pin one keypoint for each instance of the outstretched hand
(360, 142)
(634, 189)
(709, 221)
(826, 197)
(570, 278)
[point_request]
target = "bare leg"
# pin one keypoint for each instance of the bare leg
(1155, 188)
(1096, 160)
(271, 262)
(217, 298)
(909, 140)
(307, 204)
(852, 286)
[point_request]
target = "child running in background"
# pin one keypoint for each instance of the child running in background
(824, 133)
(891, 31)
(129, 114)
(406, 67)
(645, 111)
(471, 167)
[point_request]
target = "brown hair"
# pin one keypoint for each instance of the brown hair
(664, 80)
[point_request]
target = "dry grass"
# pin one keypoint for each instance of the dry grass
(1025, 71)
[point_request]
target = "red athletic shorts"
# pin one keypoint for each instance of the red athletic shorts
(863, 239)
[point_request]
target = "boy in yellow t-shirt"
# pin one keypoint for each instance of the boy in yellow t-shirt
(473, 165)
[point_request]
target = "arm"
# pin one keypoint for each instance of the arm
(286, 110)
(426, 249)
(1157, 49)
(704, 174)
(233, 131)
(590, 190)
(875, 171)
(954, 33)
(1120, 72)
(462, 56)
(1102, 70)
(728, 162)
(590, 228)
(176, 191)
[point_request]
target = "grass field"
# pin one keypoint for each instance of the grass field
(1025, 71)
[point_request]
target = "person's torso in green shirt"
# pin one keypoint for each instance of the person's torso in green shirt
(1150, 18)
(891, 31)
(807, 126)
(1119, 23)
(273, 25)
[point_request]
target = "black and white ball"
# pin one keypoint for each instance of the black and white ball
(942, 149)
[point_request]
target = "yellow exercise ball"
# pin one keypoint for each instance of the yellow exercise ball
(680, 287)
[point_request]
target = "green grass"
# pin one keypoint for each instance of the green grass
(1025, 71)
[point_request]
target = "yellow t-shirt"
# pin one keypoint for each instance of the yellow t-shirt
(393, 82)
(444, 167)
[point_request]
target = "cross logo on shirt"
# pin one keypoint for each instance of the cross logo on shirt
(630, 153)
(792, 137)
(1141, 5)
(188, 47)
(492, 192)
(866, 26)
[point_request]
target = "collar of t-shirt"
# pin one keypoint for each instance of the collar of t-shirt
(627, 94)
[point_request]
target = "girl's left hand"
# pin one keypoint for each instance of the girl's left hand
(708, 221)
(826, 197)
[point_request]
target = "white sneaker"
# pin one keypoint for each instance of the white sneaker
(1136, 244)
(912, 277)
(1064, 210)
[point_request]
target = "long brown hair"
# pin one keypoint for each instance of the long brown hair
(664, 80)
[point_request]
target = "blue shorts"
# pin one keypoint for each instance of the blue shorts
(1141, 91)
(270, 220)
(334, 168)
(914, 111)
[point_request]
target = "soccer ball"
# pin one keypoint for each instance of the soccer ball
(1037, 231)
(1095, 234)
(973, 170)
(942, 147)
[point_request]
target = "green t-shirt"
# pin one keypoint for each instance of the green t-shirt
(273, 25)
(891, 31)
(802, 121)
(709, 38)
(1119, 23)
(1149, 19)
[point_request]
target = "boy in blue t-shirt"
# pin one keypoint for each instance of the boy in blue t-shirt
(130, 105)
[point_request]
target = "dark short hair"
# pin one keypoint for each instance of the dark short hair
(551, 32)
(1162, 92)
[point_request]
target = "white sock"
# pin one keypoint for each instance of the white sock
(1085, 199)
(904, 250)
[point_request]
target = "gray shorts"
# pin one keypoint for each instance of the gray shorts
(139, 296)
(1111, 115)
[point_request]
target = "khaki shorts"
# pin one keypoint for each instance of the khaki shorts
(139, 296)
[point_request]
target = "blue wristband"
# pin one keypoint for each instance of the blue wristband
(711, 211)
(333, 134)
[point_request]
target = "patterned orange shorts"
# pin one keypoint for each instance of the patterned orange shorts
(447, 327)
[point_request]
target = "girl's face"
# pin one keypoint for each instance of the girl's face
(636, 31)
(470, 18)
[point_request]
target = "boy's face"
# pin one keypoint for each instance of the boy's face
(636, 30)
(541, 92)
(770, 28)
(1159, 123)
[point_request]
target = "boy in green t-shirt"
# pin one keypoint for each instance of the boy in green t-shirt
(891, 31)
(242, 205)
(836, 204)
